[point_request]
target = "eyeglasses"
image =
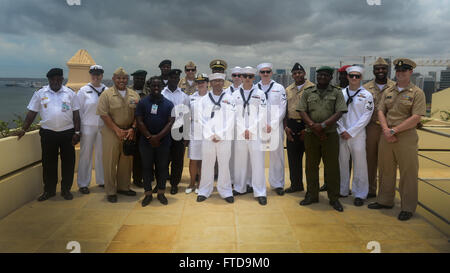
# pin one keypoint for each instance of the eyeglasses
(354, 76)
(249, 76)
(235, 75)
(265, 71)
(191, 70)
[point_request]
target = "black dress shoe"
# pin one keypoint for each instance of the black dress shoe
(323, 188)
(308, 201)
(201, 198)
(262, 200)
(155, 190)
(371, 195)
(138, 184)
(101, 186)
(235, 193)
(67, 195)
(45, 196)
(358, 202)
(337, 205)
(378, 206)
(249, 189)
(147, 200)
(279, 191)
(291, 190)
(162, 199)
(230, 199)
(404, 215)
(84, 190)
(112, 198)
(174, 190)
(127, 193)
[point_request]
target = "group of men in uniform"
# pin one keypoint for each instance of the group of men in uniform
(353, 127)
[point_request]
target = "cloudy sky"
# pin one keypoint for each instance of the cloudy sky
(37, 35)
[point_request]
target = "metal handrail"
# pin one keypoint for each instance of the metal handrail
(423, 180)
(434, 132)
(434, 160)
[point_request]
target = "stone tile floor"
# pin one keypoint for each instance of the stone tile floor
(211, 226)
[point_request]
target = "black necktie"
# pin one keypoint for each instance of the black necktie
(350, 98)
(216, 103)
(246, 101)
(268, 90)
(98, 93)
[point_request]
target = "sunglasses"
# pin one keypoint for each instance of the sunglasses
(265, 71)
(354, 76)
(190, 70)
(249, 76)
(235, 75)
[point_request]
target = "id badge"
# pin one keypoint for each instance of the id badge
(154, 110)
(65, 107)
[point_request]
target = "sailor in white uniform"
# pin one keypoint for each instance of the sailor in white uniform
(91, 126)
(276, 101)
(251, 117)
(217, 118)
(352, 130)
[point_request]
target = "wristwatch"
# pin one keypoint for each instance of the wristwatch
(323, 125)
(392, 131)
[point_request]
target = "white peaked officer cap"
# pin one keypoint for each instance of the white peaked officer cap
(248, 70)
(264, 65)
(236, 69)
(216, 76)
(355, 68)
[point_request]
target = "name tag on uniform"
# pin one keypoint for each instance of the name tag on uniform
(65, 107)
(154, 110)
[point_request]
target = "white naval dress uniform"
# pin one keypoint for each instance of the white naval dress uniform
(230, 90)
(249, 155)
(276, 95)
(216, 121)
(354, 122)
(91, 126)
(196, 135)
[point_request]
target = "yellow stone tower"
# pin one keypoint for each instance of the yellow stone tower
(79, 69)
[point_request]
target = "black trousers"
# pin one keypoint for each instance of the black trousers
(137, 162)
(295, 151)
(51, 143)
(177, 149)
(159, 157)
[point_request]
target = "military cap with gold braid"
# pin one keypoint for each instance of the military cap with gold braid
(201, 77)
(218, 64)
(120, 72)
(190, 64)
(403, 63)
(380, 61)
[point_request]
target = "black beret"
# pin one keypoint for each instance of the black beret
(139, 73)
(169, 62)
(297, 66)
(55, 72)
(175, 72)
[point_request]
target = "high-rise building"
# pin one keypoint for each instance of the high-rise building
(429, 87)
(445, 79)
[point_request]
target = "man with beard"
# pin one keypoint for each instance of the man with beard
(373, 130)
(153, 115)
(165, 67)
(138, 86)
(116, 107)
(295, 128)
(320, 107)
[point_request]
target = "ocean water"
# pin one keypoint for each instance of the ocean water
(14, 100)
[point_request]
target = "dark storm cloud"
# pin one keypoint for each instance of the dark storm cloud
(232, 22)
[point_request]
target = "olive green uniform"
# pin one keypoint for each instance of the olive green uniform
(373, 133)
(186, 87)
(397, 107)
(321, 105)
(117, 166)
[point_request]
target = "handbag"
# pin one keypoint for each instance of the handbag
(129, 147)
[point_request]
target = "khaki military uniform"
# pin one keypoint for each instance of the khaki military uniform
(397, 107)
(321, 105)
(117, 166)
(186, 88)
(296, 148)
(373, 133)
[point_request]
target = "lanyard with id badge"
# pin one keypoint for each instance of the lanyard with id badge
(65, 107)
(154, 109)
